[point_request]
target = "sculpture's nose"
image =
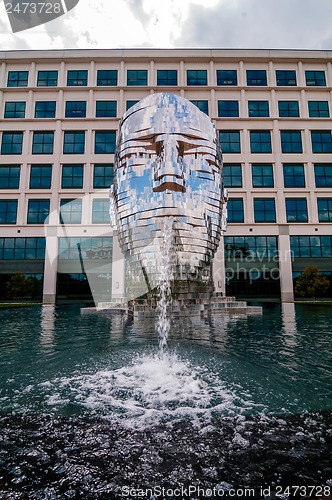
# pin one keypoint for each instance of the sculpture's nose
(169, 168)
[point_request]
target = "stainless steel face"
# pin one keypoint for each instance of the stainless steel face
(168, 164)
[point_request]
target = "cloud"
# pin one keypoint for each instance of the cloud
(301, 24)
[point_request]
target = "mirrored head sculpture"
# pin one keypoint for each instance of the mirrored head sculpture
(168, 164)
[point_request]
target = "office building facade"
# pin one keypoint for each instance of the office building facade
(59, 114)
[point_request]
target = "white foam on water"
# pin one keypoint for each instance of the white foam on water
(149, 390)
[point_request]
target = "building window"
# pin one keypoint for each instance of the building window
(101, 211)
(17, 79)
(12, 143)
(15, 110)
(8, 211)
(103, 175)
(265, 210)
(311, 246)
(315, 78)
(77, 78)
(196, 77)
(296, 210)
(137, 77)
(230, 141)
(85, 248)
(42, 143)
(167, 77)
(318, 109)
(47, 79)
(75, 109)
(202, 106)
(45, 109)
(106, 109)
(321, 141)
(74, 143)
(262, 175)
(291, 141)
(40, 176)
(105, 142)
(256, 77)
(10, 176)
(38, 211)
(258, 108)
(323, 175)
(293, 175)
(22, 248)
(228, 108)
(256, 247)
(285, 78)
(227, 77)
(107, 78)
(260, 141)
(70, 211)
(324, 209)
(72, 176)
(232, 175)
(129, 104)
(235, 210)
(288, 108)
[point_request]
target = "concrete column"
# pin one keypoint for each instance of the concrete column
(29, 111)
(241, 75)
(182, 76)
(60, 108)
(304, 112)
(152, 80)
(122, 76)
(2, 103)
(270, 75)
(285, 267)
(219, 276)
(300, 75)
(50, 266)
(243, 111)
(122, 105)
(92, 75)
(33, 75)
(274, 107)
(213, 111)
(329, 74)
(90, 105)
(306, 137)
(118, 270)
(212, 79)
(3, 82)
(62, 74)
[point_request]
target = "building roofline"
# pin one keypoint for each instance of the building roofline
(166, 54)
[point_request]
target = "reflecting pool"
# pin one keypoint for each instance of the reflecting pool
(88, 408)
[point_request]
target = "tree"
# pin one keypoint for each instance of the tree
(19, 286)
(311, 283)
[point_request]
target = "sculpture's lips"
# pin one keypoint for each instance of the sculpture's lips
(169, 186)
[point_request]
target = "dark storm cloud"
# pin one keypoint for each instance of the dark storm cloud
(299, 24)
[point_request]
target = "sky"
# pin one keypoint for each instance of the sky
(292, 24)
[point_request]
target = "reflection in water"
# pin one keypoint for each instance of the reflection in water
(47, 330)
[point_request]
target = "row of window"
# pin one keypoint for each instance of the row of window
(69, 248)
(226, 109)
(70, 211)
(73, 142)
(266, 246)
(235, 247)
(168, 77)
(41, 176)
(291, 141)
(262, 175)
(73, 175)
(265, 211)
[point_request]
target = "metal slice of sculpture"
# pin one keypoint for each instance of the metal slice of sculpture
(168, 164)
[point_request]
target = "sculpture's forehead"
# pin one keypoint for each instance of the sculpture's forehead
(166, 114)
